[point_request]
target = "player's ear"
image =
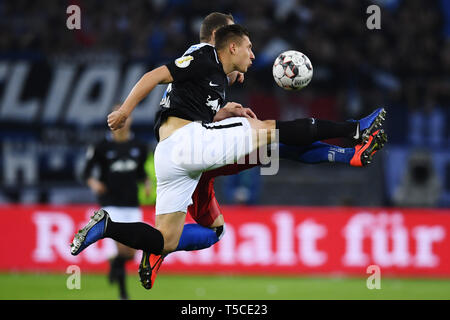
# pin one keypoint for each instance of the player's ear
(212, 39)
(232, 46)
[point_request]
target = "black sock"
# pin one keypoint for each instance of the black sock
(121, 272)
(137, 235)
(118, 273)
(303, 132)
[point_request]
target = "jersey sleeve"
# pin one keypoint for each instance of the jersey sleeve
(193, 65)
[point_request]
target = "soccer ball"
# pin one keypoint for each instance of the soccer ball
(292, 70)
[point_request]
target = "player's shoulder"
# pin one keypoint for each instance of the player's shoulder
(200, 48)
(202, 51)
(107, 143)
(96, 148)
(100, 143)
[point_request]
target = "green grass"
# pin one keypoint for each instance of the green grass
(191, 287)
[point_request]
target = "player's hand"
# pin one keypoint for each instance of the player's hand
(116, 120)
(245, 112)
(227, 112)
(235, 76)
(233, 109)
(240, 77)
(97, 186)
(237, 110)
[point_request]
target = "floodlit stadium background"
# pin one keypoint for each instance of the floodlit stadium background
(327, 220)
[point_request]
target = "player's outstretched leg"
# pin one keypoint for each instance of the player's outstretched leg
(193, 237)
(365, 151)
(367, 125)
(136, 235)
(304, 132)
(92, 232)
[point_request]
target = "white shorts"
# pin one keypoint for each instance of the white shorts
(124, 214)
(182, 157)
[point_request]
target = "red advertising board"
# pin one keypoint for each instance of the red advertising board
(260, 240)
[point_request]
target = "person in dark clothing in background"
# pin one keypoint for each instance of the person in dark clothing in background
(120, 159)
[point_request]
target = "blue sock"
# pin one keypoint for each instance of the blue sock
(316, 152)
(196, 237)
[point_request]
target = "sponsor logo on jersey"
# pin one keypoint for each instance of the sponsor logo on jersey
(165, 101)
(184, 62)
(123, 165)
(214, 104)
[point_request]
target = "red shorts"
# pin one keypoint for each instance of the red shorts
(205, 208)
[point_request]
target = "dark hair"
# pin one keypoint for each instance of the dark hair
(230, 32)
(212, 22)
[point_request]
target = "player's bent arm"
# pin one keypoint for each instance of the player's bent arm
(227, 111)
(233, 109)
(96, 186)
(142, 88)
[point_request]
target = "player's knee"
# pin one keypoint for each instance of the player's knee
(220, 231)
(264, 131)
(218, 222)
(269, 125)
(170, 245)
(262, 124)
(219, 227)
(171, 227)
(171, 240)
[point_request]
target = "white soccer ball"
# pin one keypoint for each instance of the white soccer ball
(292, 70)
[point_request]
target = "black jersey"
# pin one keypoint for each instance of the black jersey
(198, 88)
(121, 167)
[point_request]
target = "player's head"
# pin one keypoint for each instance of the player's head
(234, 41)
(211, 23)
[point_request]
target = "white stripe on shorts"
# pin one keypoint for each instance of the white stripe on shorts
(124, 214)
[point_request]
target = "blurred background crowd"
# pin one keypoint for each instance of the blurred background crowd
(403, 66)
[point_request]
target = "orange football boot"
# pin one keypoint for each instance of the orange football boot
(148, 268)
(364, 152)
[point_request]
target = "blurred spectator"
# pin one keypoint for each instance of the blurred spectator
(446, 14)
(345, 54)
(243, 188)
(420, 186)
(404, 66)
(426, 127)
